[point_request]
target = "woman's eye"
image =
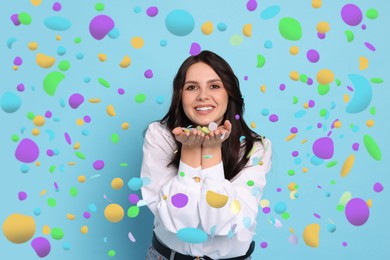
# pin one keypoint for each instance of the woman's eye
(215, 86)
(191, 87)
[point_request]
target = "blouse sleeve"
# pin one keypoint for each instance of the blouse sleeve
(230, 208)
(171, 194)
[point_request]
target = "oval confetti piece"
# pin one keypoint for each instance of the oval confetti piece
(311, 235)
(347, 166)
(216, 200)
(372, 147)
(51, 82)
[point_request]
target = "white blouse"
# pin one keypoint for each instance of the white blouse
(197, 211)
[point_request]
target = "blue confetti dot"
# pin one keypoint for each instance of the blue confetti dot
(192, 235)
(180, 22)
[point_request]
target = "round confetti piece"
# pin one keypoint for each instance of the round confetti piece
(290, 29)
(41, 246)
(114, 212)
(192, 235)
(351, 14)
(311, 235)
(179, 22)
(100, 26)
(179, 200)
(18, 228)
(357, 212)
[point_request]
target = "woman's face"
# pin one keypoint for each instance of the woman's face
(204, 97)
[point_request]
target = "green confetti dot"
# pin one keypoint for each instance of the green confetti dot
(182, 174)
(291, 172)
(331, 164)
(372, 13)
(250, 183)
(133, 211)
(104, 83)
(295, 100)
(57, 233)
(290, 29)
(99, 7)
(140, 98)
(30, 115)
(73, 191)
(64, 65)
(340, 207)
(115, 138)
(323, 112)
(376, 80)
(123, 164)
(51, 202)
(350, 36)
(323, 89)
(51, 82)
(15, 138)
(285, 215)
(236, 40)
(24, 18)
(333, 182)
(260, 61)
(111, 253)
(373, 111)
(52, 168)
(303, 78)
(372, 147)
(338, 82)
(77, 40)
(80, 155)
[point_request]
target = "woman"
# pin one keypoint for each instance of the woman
(205, 168)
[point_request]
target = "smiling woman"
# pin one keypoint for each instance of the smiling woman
(206, 169)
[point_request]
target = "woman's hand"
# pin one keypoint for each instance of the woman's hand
(218, 136)
(189, 137)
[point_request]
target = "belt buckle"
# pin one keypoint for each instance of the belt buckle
(199, 258)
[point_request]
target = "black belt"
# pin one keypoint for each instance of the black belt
(166, 252)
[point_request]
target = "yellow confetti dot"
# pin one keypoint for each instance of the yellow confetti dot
(33, 46)
(76, 146)
(15, 67)
(37, 164)
(369, 203)
(102, 57)
(294, 75)
(125, 125)
(323, 27)
(111, 110)
(337, 124)
(137, 42)
(303, 141)
(263, 88)
(264, 203)
(311, 235)
(126, 61)
(117, 183)
(207, 28)
(44, 61)
(79, 122)
(70, 216)
(19, 228)
(196, 179)
(316, 3)
(39, 120)
(71, 163)
(292, 194)
(305, 170)
(292, 186)
(261, 163)
(235, 207)
(114, 212)
(58, 38)
(43, 192)
(216, 200)
(291, 230)
(36, 2)
(363, 63)
(325, 76)
(94, 100)
(164, 197)
(247, 30)
(370, 123)
(294, 50)
(291, 136)
(347, 166)
(46, 230)
(84, 229)
(81, 178)
(35, 131)
(306, 105)
(253, 124)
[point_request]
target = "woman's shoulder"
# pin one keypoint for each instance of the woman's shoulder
(157, 128)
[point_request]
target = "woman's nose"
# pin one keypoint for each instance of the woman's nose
(203, 94)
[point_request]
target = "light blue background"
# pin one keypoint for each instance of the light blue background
(367, 241)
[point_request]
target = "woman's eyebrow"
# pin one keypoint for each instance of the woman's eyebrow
(196, 82)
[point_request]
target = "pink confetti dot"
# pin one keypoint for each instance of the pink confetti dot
(152, 11)
(18, 61)
(57, 6)
(22, 195)
(378, 187)
(20, 87)
(273, 118)
(148, 74)
(98, 164)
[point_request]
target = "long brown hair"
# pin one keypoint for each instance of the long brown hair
(233, 163)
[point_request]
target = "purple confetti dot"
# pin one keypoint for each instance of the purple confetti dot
(378, 187)
(67, 138)
(41, 246)
(86, 214)
(323, 148)
(121, 91)
(48, 114)
(364, 26)
(263, 244)
(309, 81)
(295, 153)
(251, 5)
(195, 49)
(152, 11)
(245, 78)
(293, 130)
(344, 243)
(98, 164)
(370, 46)
(20, 87)
(179, 200)
(75, 100)
(351, 14)
(316, 215)
(279, 189)
(321, 36)
(15, 19)
(133, 198)
(22, 195)
(355, 146)
(57, 6)
(87, 119)
(313, 56)
(50, 152)
(266, 210)
(319, 125)
(27, 151)
(311, 103)
(282, 87)
(357, 211)
(100, 26)
(273, 118)
(237, 117)
(148, 74)
(350, 88)
(18, 61)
